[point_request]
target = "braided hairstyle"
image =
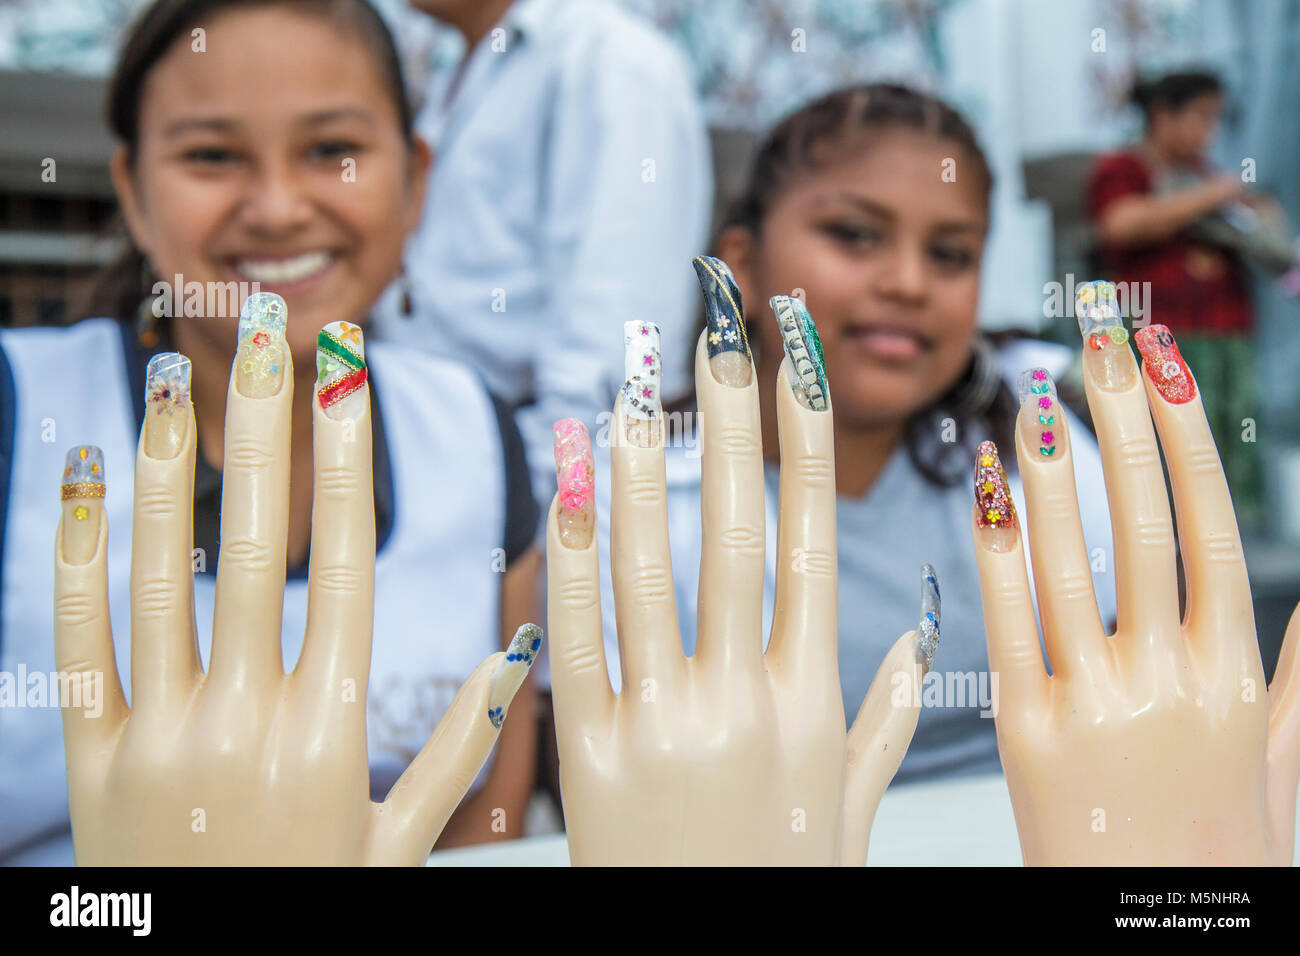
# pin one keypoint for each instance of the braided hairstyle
(825, 131)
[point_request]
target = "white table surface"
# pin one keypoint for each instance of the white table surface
(963, 822)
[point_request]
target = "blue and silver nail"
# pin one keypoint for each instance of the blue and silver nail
(511, 671)
(927, 639)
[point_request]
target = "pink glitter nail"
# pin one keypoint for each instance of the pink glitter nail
(574, 468)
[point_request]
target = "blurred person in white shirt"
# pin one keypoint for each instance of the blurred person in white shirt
(572, 186)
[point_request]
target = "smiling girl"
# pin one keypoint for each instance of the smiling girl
(847, 208)
(270, 142)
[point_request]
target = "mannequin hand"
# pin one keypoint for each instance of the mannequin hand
(1159, 745)
(732, 756)
(246, 764)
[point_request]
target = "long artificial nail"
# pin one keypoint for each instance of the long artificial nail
(641, 401)
(259, 357)
(341, 370)
(804, 348)
(996, 511)
(1041, 416)
(575, 474)
(1105, 340)
(82, 489)
(167, 405)
(728, 345)
(1165, 365)
(511, 671)
(927, 633)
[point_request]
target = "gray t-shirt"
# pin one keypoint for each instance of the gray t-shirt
(884, 537)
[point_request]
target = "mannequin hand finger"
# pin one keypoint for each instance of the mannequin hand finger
(732, 509)
(645, 602)
(1149, 637)
(442, 772)
(341, 576)
(165, 667)
(879, 738)
(1072, 628)
(254, 502)
(1010, 627)
(582, 695)
(1220, 622)
(1284, 740)
(83, 634)
(805, 636)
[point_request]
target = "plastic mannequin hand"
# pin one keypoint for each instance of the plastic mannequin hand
(1158, 745)
(245, 764)
(732, 756)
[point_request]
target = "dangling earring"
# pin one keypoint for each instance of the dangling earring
(146, 320)
(981, 387)
(404, 282)
(931, 450)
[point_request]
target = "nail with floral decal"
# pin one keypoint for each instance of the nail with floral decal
(927, 631)
(167, 409)
(1042, 419)
(341, 371)
(511, 671)
(803, 347)
(1164, 365)
(995, 512)
(82, 489)
(642, 406)
(1106, 353)
(725, 335)
(575, 475)
(260, 354)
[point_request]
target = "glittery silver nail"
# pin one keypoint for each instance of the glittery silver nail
(927, 642)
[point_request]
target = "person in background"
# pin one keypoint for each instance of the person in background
(228, 170)
(572, 185)
(845, 203)
(1147, 202)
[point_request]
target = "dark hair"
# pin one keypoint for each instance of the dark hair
(980, 403)
(835, 124)
(1173, 91)
(117, 291)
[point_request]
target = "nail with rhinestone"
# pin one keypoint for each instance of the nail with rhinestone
(1041, 415)
(724, 335)
(82, 489)
(1164, 365)
(511, 671)
(259, 355)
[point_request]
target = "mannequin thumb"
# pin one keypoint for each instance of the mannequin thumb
(878, 740)
(1284, 741)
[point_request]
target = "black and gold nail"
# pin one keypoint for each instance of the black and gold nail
(725, 337)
